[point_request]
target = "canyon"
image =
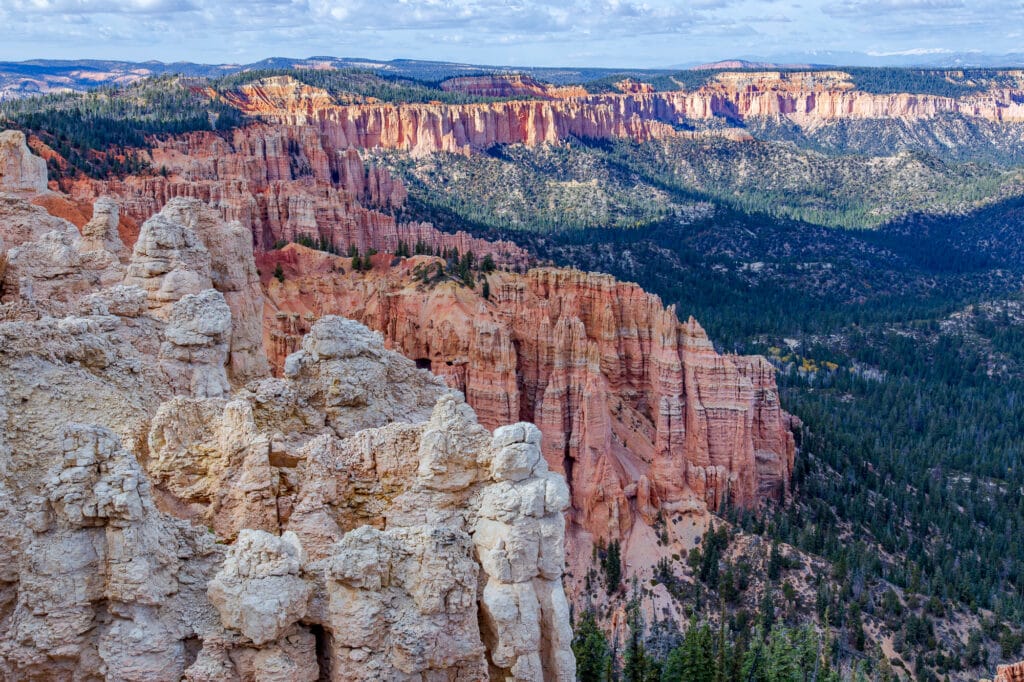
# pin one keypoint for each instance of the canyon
(638, 411)
(636, 408)
(806, 99)
(209, 405)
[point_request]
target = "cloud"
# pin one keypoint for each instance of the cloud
(84, 7)
(586, 32)
(879, 7)
(912, 52)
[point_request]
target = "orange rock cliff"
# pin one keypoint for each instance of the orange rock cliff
(1010, 673)
(302, 175)
(637, 114)
(637, 409)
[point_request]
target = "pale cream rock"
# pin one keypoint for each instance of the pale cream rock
(195, 350)
(258, 590)
(402, 605)
(106, 586)
(340, 372)
(234, 274)
(21, 171)
(100, 233)
(519, 536)
(169, 261)
(349, 493)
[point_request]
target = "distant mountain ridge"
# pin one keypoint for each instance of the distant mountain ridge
(44, 76)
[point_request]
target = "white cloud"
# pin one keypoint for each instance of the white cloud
(586, 32)
(912, 52)
(83, 7)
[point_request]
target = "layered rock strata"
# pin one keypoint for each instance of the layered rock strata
(637, 409)
(1013, 672)
(637, 115)
(285, 184)
(303, 177)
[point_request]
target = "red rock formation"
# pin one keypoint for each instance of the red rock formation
(304, 177)
(283, 183)
(636, 408)
(511, 85)
(1010, 673)
(426, 128)
(630, 86)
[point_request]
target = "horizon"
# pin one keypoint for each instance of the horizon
(616, 34)
(1014, 60)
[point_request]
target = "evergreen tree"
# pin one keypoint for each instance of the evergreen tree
(612, 565)
(590, 646)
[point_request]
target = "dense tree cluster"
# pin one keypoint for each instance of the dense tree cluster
(100, 133)
(359, 83)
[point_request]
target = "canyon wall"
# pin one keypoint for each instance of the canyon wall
(637, 409)
(304, 178)
(429, 128)
(1010, 673)
(284, 183)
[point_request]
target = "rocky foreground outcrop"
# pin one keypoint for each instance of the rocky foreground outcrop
(638, 411)
(168, 511)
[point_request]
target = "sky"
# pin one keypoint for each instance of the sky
(613, 33)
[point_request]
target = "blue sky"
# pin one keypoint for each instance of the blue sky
(649, 33)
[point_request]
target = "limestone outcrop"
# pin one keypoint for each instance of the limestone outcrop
(195, 348)
(258, 590)
(186, 250)
(21, 171)
(519, 537)
(383, 529)
(165, 517)
(168, 262)
(101, 232)
(232, 273)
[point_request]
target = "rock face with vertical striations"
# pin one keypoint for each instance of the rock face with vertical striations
(1013, 672)
(638, 114)
(636, 408)
(283, 183)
